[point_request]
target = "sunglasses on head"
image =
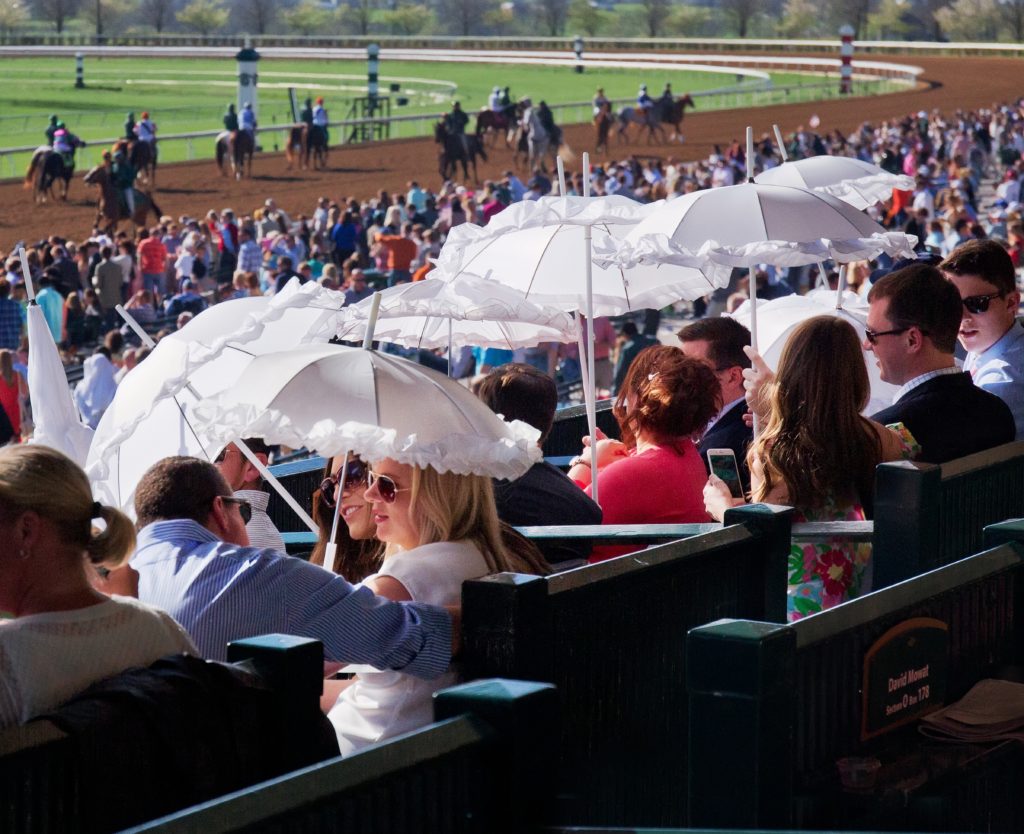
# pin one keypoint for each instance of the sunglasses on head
(244, 507)
(386, 487)
(979, 303)
(355, 476)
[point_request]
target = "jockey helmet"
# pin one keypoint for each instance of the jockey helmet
(58, 124)
(145, 114)
(496, 90)
(247, 105)
(231, 108)
(131, 117)
(53, 119)
(309, 101)
(643, 88)
(320, 100)
(456, 105)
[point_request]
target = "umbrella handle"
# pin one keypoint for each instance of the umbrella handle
(26, 273)
(332, 542)
(129, 319)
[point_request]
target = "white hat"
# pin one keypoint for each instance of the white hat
(643, 87)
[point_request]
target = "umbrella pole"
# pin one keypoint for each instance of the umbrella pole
(780, 143)
(27, 275)
(371, 322)
(331, 550)
(592, 387)
(561, 175)
(242, 447)
(449, 348)
(841, 286)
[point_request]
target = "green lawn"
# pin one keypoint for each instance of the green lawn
(184, 95)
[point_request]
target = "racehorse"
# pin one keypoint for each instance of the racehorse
(238, 146)
(540, 143)
(454, 149)
(491, 123)
(316, 146)
(296, 147)
(142, 157)
(645, 117)
(110, 208)
(603, 122)
(46, 167)
(672, 114)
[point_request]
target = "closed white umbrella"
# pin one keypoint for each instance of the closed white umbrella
(56, 419)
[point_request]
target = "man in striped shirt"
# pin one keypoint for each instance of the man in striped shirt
(194, 561)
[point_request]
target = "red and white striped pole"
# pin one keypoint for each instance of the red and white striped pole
(845, 60)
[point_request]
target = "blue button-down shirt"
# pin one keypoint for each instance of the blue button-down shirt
(221, 592)
(12, 320)
(1000, 371)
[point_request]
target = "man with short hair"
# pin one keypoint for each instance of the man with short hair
(187, 301)
(913, 320)
(152, 261)
(719, 343)
(358, 290)
(246, 483)
(109, 281)
(402, 251)
(12, 318)
(194, 561)
(983, 273)
(544, 495)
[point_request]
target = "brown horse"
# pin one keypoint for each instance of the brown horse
(490, 125)
(110, 211)
(603, 122)
(46, 167)
(295, 150)
(236, 146)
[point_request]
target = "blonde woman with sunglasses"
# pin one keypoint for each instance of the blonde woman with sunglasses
(439, 530)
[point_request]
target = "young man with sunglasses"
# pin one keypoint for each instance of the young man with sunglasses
(912, 325)
(247, 484)
(194, 560)
(983, 273)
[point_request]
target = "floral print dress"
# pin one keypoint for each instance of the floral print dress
(826, 573)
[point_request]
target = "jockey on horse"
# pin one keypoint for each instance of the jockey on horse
(50, 163)
(142, 148)
(455, 123)
(248, 121)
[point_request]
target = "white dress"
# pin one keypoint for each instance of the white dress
(380, 705)
(45, 659)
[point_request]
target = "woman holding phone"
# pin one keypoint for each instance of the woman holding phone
(439, 529)
(817, 454)
(655, 474)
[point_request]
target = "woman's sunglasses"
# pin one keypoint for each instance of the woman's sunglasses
(386, 487)
(244, 507)
(979, 303)
(355, 476)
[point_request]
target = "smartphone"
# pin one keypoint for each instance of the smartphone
(723, 464)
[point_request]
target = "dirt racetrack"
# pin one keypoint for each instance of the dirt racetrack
(359, 171)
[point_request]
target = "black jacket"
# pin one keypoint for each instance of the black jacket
(730, 433)
(951, 418)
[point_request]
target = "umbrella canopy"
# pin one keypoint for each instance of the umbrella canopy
(857, 183)
(337, 399)
(750, 223)
(542, 253)
(465, 311)
(778, 318)
(147, 419)
(57, 423)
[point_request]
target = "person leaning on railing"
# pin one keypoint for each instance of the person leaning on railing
(816, 453)
(65, 634)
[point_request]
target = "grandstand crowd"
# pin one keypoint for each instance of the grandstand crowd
(411, 535)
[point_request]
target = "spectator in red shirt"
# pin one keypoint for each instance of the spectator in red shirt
(152, 261)
(402, 251)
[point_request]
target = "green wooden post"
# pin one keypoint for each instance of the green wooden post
(506, 627)
(906, 540)
(524, 717)
(1004, 532)
(740, 678)
(775, 523)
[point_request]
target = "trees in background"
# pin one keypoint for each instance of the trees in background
(203, 16)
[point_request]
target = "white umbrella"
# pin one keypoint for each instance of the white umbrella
(147, 419)
(465, 311)
(857, 183)
(56, 419)
(776, 320)
(546, 250)
(337, 399)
